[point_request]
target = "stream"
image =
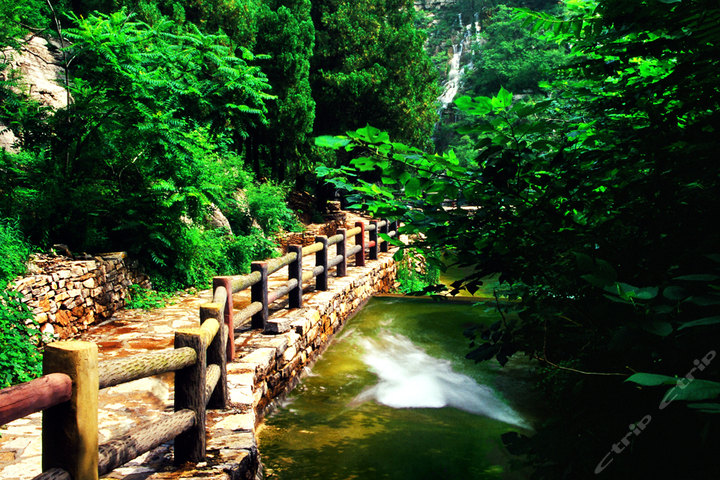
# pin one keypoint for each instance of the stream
(394, 397)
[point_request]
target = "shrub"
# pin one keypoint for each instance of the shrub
(19, 335)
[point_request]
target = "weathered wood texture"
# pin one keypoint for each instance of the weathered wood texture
(383, 226)
(336, 238)
(373, 240)
(211, 380)
(336, 260)
(282, 291)
(143, 438)
(54, 474)
(295, 273)
(259, 293)
(123, 370)
(70, 429)
(275, 264)
(247, 312)
(314, 248)
(321, 260)
(355, 230)
(34, 396)
(341, 252)
(360, 243)
(217, 354)
(190, 394)
(354, 250)
(228, 313)
(242, 282)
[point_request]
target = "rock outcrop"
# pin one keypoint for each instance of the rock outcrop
(38, 67)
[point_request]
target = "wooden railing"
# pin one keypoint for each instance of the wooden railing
(68, 392)
(378, 231)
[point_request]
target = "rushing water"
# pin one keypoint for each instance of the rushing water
(393, 397)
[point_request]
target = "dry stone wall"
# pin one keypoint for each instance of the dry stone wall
(67, 295)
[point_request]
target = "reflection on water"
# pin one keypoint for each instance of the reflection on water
(410, 378)
(393, 397)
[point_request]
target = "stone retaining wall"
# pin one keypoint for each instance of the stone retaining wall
(268, 366)
(67, 295)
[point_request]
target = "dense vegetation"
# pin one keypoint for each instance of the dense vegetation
(591, 192)
(594, 203)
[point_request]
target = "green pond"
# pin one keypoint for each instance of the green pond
(394, 397)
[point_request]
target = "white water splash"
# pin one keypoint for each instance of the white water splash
(410, 378)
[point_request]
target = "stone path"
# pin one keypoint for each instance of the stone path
(125, 406)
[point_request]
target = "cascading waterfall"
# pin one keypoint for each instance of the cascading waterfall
(453, 82)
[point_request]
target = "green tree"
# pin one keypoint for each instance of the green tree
(370, 67)
(593, 206)
(281, 147)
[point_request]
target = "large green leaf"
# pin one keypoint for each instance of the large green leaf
(701, 322)
(651, 379)
(694, 390)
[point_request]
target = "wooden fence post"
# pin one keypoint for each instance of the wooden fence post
(70, 429)
(321, 259)
(295, 271)
(360, 240)
(190, 394)
(228, 318)
(373, 241)
(216, 354)
(384, 244)
(259, 293)
(341, 248)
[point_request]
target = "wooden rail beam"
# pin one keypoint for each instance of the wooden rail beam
(143, 438)
(70, 429)
(54, 474)
(34, 396)
(122, 370)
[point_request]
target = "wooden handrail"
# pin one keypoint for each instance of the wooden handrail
(122, 370)
(34, 396)
(141, 439)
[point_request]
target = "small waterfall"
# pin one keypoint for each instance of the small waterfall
(410, 378)
(453, 82)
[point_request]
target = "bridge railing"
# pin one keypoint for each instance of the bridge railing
(368, 241)
(68, 394)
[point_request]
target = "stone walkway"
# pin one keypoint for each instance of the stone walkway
(124, 406)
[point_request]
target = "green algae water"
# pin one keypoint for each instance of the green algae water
(393, 397)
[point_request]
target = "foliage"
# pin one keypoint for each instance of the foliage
(369, 58)
(267, 207)
(158, 104)
(14, 251)
(570, 200)
(145, 298)
(512, 57)
(19, 335)
(416, 273)
(288, 37)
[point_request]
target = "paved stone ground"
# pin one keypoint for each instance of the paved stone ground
(125, 406)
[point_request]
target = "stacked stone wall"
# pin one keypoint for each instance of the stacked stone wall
(66, 295)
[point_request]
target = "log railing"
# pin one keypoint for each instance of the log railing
(68, 392)
(257, 312)
(68, 397)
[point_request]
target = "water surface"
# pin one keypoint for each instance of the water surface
(394, 397)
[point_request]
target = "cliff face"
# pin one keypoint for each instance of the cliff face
(433, 4)
(38, 66)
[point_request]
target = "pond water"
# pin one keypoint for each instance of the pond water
(394, 397)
